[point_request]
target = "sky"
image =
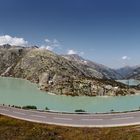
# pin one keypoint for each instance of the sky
(104, 31)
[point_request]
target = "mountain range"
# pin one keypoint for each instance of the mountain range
(61, 74)
(104, 72)
(96, 70)
(126, 71)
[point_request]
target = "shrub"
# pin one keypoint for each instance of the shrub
(29, 107)
(17, 107)
(46, 108)
(80, 110)
(112, 110)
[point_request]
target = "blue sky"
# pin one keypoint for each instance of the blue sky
(105, 31)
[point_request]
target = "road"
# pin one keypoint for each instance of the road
(74, 120)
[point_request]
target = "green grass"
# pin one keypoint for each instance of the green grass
(13, 129)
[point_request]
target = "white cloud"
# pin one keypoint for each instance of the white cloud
(50, 44)
(47, 40)
(71, 52)
(7, 39)
(125, 58)
(55, 43)
(47, 47)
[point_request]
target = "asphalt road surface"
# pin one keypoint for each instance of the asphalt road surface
(74, 120)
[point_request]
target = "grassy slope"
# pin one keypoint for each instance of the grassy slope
(12, 129)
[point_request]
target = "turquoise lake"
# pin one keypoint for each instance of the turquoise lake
(130, 82)
(22, 92)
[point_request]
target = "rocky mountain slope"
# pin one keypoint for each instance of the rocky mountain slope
(54, 73)
(97, 70)
(126, 71)
(135, 74)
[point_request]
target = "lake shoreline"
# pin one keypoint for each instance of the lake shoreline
(137, 92)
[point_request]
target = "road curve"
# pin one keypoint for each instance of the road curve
(74, 120)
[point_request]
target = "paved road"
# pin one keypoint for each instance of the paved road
(75, 120)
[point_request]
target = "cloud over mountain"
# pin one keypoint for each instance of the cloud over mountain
(125, 58)
(7, 39)
(71, 52)
(50, 44)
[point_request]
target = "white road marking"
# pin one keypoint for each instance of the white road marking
(91, 119)
(19, 113)
(4, 109)
(122, 118)
(38, 116)
(62, 118)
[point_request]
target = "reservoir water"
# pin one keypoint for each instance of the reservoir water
(130, 82)
(22, 92)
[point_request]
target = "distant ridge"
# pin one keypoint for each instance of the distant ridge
(98, 70)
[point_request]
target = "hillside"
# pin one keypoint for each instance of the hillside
(97, 70)
(126, 71)
(54, 73)
(135, 74)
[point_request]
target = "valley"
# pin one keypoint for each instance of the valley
(61, 74)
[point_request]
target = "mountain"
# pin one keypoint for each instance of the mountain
(135, 74)
(56, 74)
(125, 71)
(96, 70)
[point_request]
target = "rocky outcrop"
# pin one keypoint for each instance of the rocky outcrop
(53, 73)
(9, 57)
(65, 85)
